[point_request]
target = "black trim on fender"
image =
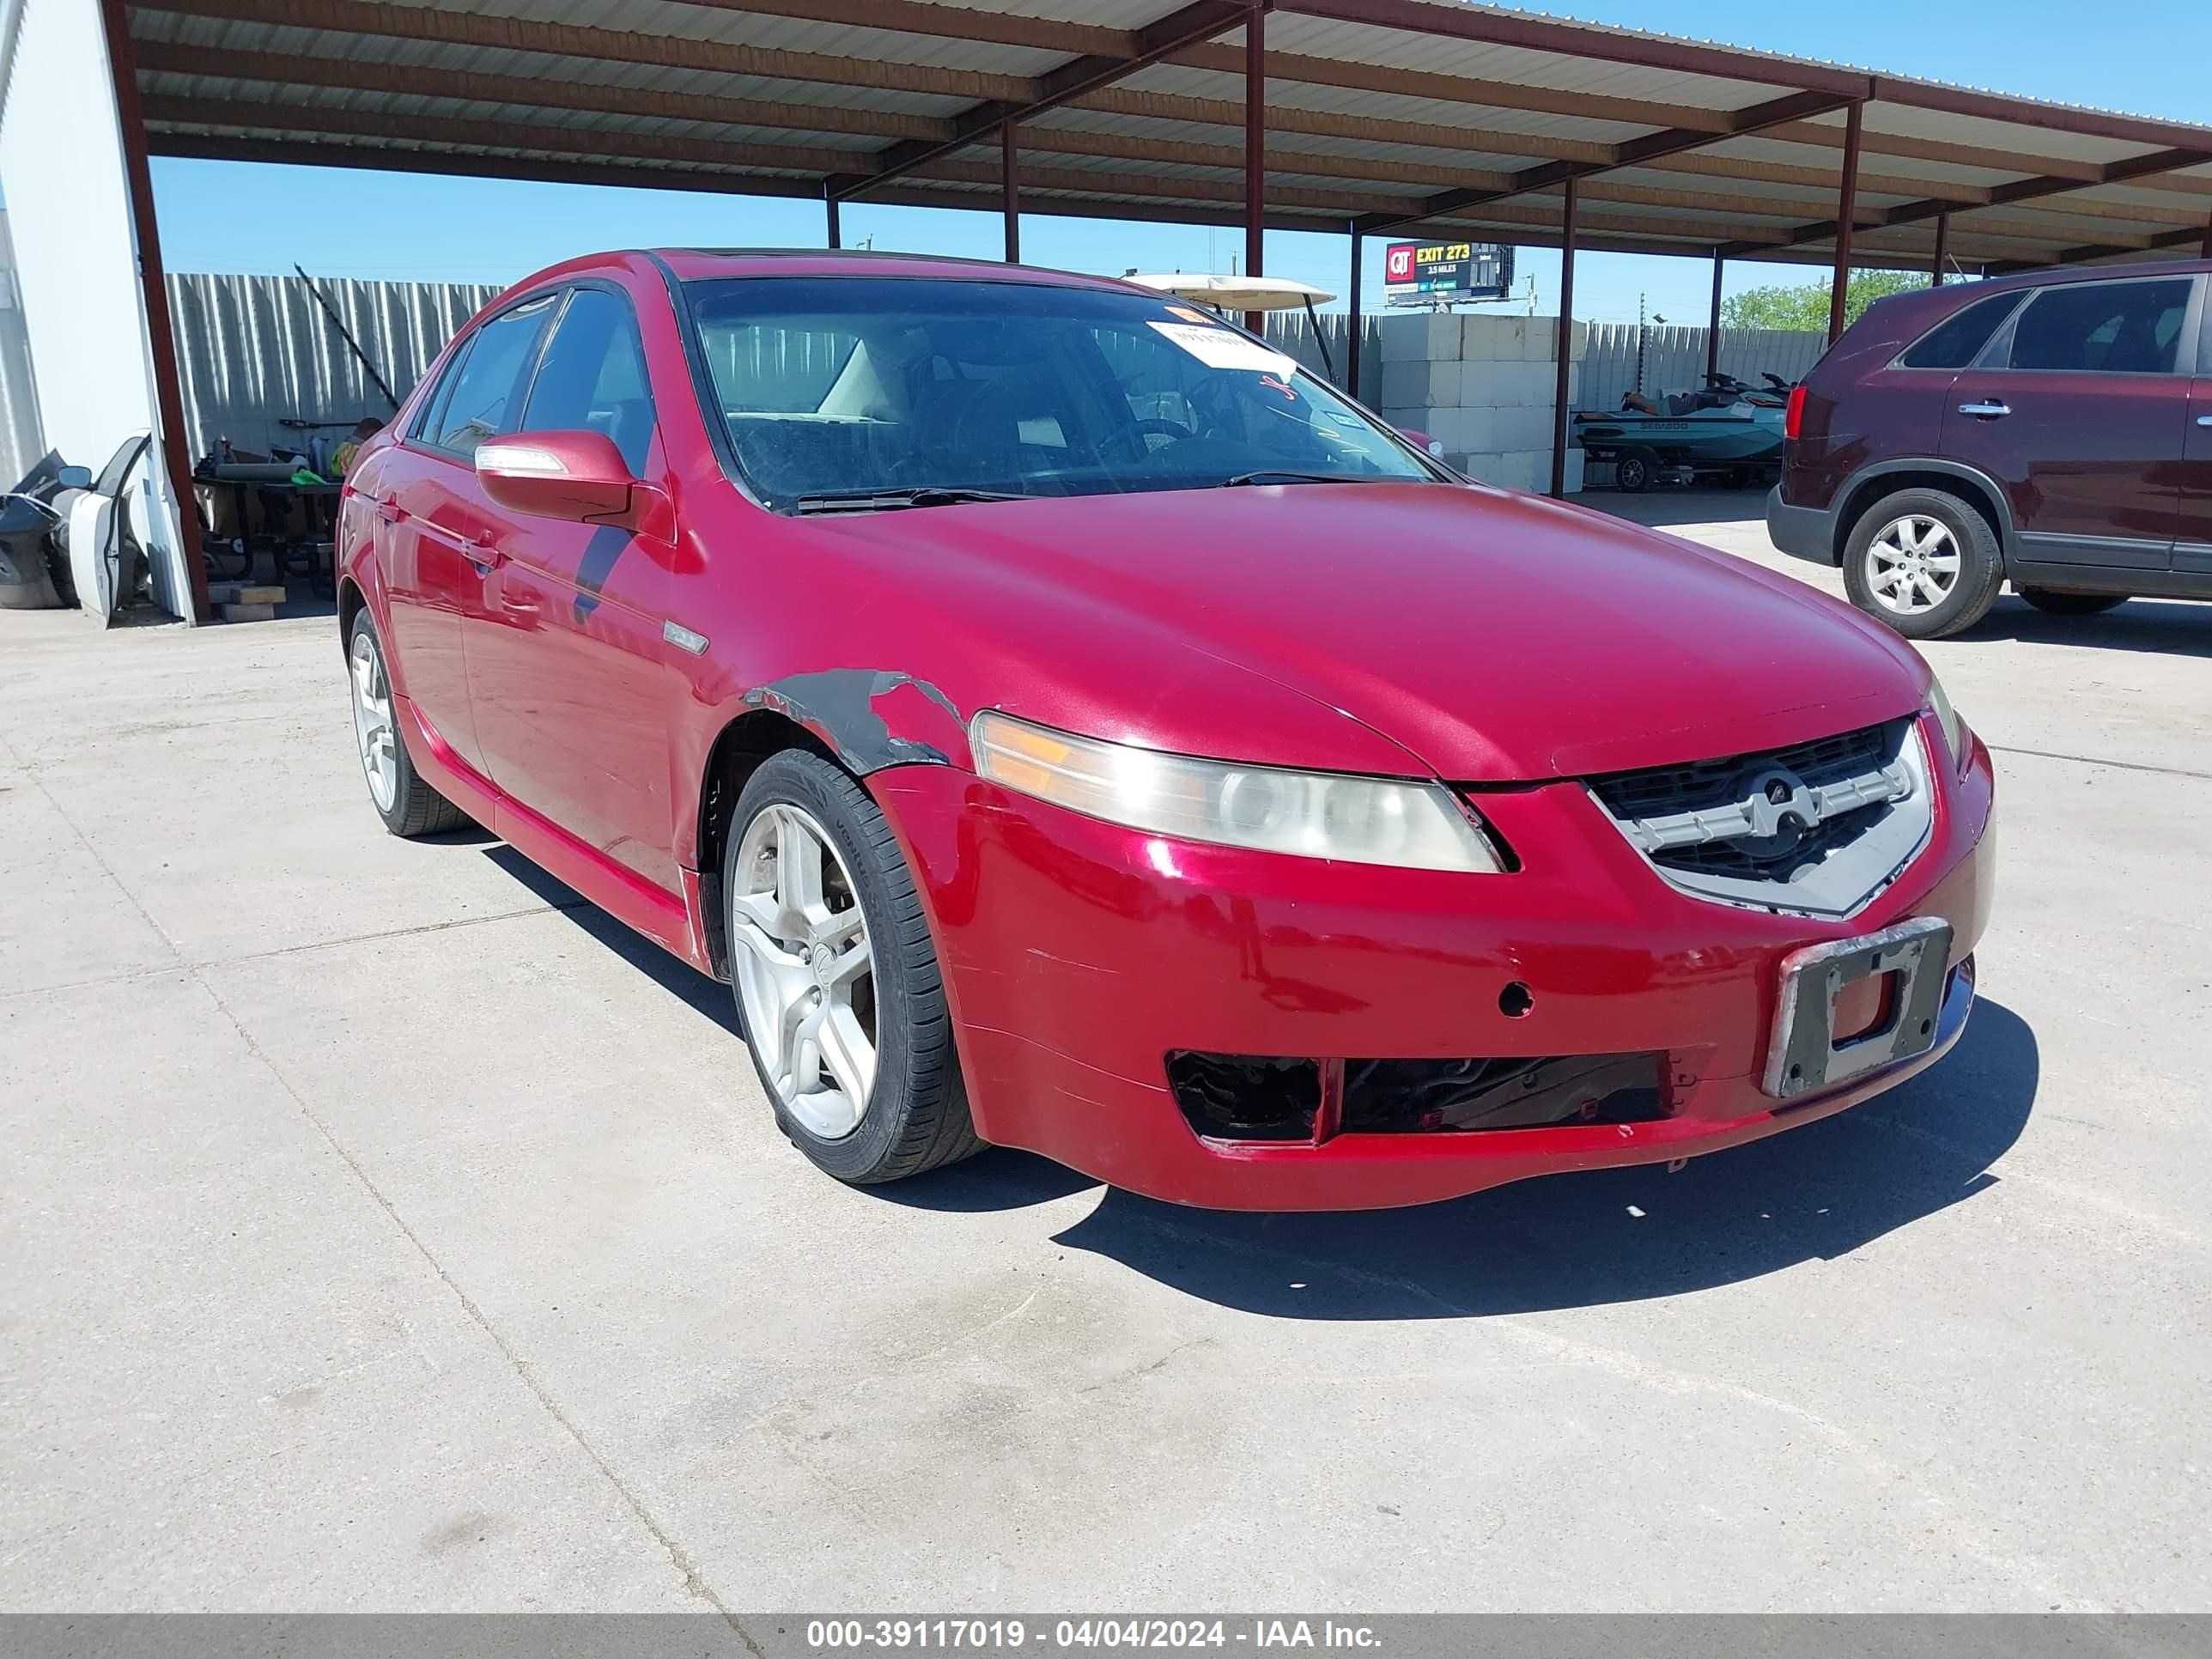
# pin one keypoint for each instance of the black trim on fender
(1802, 533)
(2116, 553)
(2187, 582)
(1991, 491)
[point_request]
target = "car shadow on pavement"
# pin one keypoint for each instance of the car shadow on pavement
(1560, 1241)
(1581, 1240)
(2174, 628)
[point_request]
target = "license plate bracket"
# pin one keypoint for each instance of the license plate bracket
(1803, 1055)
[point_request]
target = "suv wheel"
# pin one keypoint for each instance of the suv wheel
(2071, 605)
(1924, 562)
(835, 979)
(409, 806)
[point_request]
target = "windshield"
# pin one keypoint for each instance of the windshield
(872, 388)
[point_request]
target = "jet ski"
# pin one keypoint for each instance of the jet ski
(1727, 429)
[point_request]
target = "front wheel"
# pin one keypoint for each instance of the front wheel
(835, 979)
(1631, 471)
(2056, 604)
(1924, 562)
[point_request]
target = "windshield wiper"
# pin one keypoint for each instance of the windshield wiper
(871, 500)
(1273, 475)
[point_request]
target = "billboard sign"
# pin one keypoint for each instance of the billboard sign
(1425, 272)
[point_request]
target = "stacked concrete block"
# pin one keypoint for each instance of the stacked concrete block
(1481, 384)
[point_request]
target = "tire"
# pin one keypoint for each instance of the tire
(1898, 547)
(914, 1112)
(1632, 470)
(414, 808)
(2056, 604)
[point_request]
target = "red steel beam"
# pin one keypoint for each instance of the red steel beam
(1256, 152)
(1713, 325)
(2087, 251)
(2133, 169)
(161, 329)
(1010, 199)
(1847, 204)
(1563, 351)
(1581, 40)
(1200, 20)
(1633, 152)
(1351, 332)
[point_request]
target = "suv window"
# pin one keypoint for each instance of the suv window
(1958, 338)
(2108, 328)
(477, 398)
(592, 377)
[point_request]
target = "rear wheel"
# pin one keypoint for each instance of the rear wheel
(409, 806)
(835, 979)
(1924, 562)
(1632, 470)
(2071, 605)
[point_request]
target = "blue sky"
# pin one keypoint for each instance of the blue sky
(2146, 56)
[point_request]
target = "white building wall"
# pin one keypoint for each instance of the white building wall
(76, 258)
(1483, 386)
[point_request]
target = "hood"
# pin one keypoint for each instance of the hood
(1493, 637)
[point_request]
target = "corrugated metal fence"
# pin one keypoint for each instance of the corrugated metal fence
(1674, 358)
(255, 351)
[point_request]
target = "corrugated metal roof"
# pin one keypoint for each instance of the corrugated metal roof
(1380, 107)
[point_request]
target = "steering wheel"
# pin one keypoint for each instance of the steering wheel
(1173, 431)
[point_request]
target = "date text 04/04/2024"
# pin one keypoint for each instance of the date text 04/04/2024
(833, 1634)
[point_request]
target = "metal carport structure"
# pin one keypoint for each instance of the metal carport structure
(1375, 117)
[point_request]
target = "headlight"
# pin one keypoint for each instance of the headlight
(1955, 729)
(1319, 815)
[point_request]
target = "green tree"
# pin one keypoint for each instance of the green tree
(1805, 305)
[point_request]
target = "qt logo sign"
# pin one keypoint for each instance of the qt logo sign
(1398, 263)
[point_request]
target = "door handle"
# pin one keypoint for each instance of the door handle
(390, 512)
(1989, 411)
(2204, 420)
(482, 555)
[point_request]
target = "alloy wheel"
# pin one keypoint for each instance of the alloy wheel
(1913, 564)
(804, 971)
(372, 721)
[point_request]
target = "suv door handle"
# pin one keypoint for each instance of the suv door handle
(1991, 411)
(2204, 420)
(390, 512)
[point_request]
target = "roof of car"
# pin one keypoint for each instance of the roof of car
(2134, 271)
(694, 264)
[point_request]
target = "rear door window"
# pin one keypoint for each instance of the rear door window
(2104, 328)
(592, 377)
(1958, 339)
(485, 399)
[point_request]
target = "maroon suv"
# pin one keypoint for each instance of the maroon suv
(2051, 429)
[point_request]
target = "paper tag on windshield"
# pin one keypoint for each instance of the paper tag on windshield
(1220, 348)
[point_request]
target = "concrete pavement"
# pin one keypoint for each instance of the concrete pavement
(381, 1228)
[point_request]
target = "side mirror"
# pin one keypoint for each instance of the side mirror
(579, 475)
(73, 478)
(1422, 441)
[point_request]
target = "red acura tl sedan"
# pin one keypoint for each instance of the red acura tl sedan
(1068, 725)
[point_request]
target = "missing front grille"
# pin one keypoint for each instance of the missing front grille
(1401, 1096)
